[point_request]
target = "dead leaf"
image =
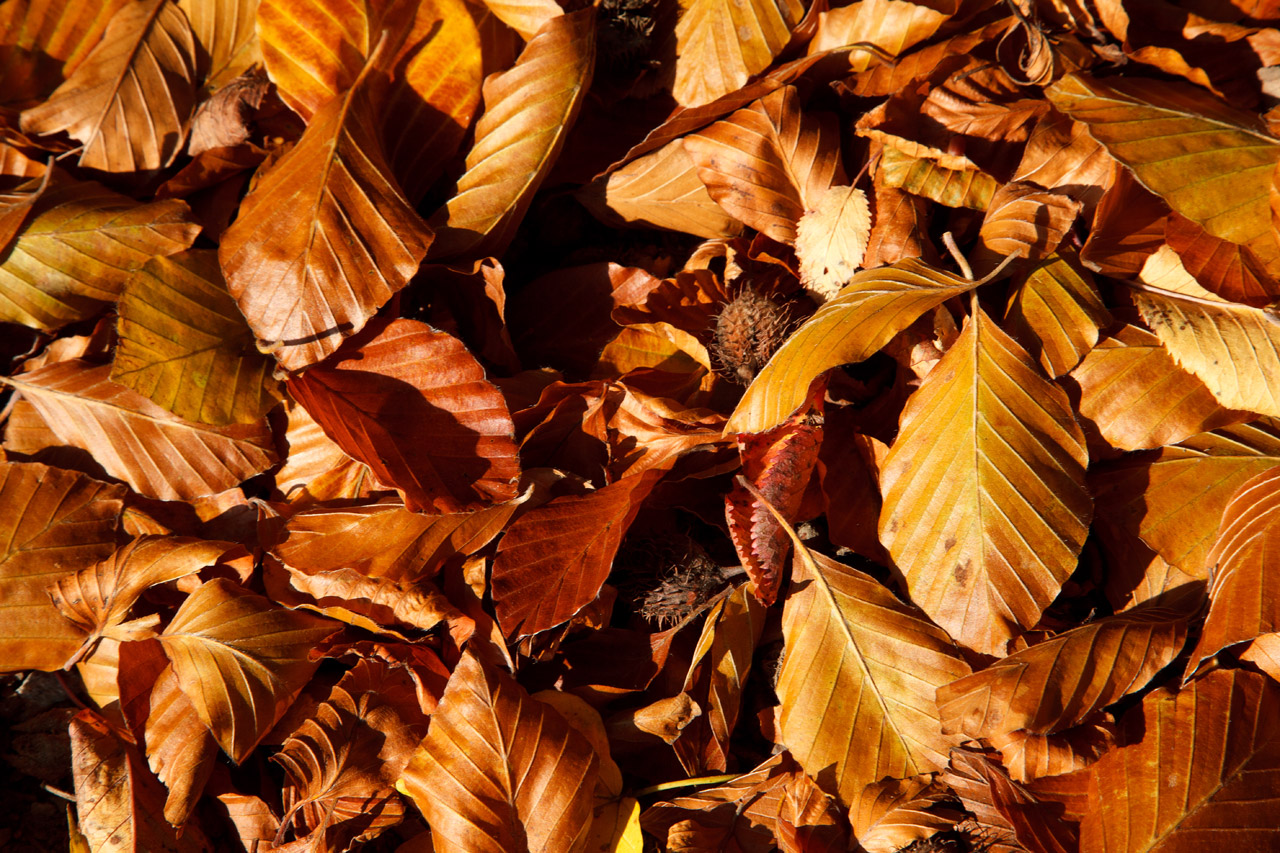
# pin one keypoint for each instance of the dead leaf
(226, 32)
(1057, 313)
(831, 239)
(720, 45)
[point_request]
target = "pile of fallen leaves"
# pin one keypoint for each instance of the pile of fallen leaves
(730, 425)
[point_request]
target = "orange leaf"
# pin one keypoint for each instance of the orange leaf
(553, 560)
(51, 522)
(500, 771)
(241, 660)
(433, 386)
(721, 44)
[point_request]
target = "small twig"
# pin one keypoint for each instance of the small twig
(58, 792)
(66, 688)
(961, 261)
(686, 783)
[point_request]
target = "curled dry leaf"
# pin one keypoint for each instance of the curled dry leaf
(377, 396)
(853, 326)
(128, 102)
(1029, 757)
(529, 110)
(158, 454)
(831, 239)
(1027, 222)
(185, 346)
(241, 660)
(501, 771)
(326, 236)
(895, 813)
(983, 419)
(51, 522)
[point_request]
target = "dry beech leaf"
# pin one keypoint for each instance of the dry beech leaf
(851, 644)
(1028, 757)
(776, 466)
(16, 204)
(97, 598)
(1242, 600)
(892, 814)
(853, 326)
(1208, 161)
(52, 522)
(1061, 156)
(969, 775)
(982, 556)
(1060, 682)
(326, 237)
(316, 468)
(769, 163)
(552, 561)
(117, 800)
(528, 112)
(80, 245)
(385, 540)
(241, 660)
(129, 100)
(1193, 759)
(158, 454)
(1027, 222)
(1228, 269)
(526, 17)
(831, 239)
(431, 383)
(1036, 824)
(341, 763)
(721, 44)
(721, 663)
(661, 190)
(1057, 312)
(226, 30)
(500, 771)
(918, 171)
(64, 32)
(892, 26)
(185, 346)
(1138, 398)
(1232, 348)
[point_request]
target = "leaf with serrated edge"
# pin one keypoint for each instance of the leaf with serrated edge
(185, 346)
(769, 163)
(129, 101)
(851, 645)
(1058, 311)
(500, 771)
(1244, 603)
(97, 598)
(1202, 770)
(79, 247)
(1210, 162)
(528, 112)
(1232, 348)
(985, 506)
(856, 324)
(721, 44)
(326, 237)
(1056, 684)
(52, 522)
(158, 454)
(241, 660)
(831, 239)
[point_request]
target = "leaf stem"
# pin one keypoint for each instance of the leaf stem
(686, 783)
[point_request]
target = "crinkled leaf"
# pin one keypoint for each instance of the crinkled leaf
(52, 522)
(241, 660)
(985, 507)
(500, 771)
(158, 454)
(185, 345)
(402, 379)
(894, 813)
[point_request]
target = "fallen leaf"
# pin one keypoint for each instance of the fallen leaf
(720, 45)
(831, 239)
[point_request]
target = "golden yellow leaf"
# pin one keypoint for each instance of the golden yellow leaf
(1057, 312)
(985, 507)
(225, 30)
(921, 174)
(720, 44)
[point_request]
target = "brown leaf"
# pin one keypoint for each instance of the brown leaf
(552, 561)
(889, 25)
(1060, 682)
(223, 120)
(225, 31)
(97, 598)
(895, 813)
(158, 454)
(769, 163)
(240, 660)
(63, 32)
(1029, 757)
(1242, 604)
(719, 45)
(1212, 748)
(1027, 222)
(326, 237)
(129, 100)
(982, 556)
(316, 468)
(500, 771)
(1228, 269)
(928, 172)
(51, 522)
(1057, 311)
(529, 110)
(378, 395)
(79, 247)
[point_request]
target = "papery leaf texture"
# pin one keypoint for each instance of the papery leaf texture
(720, 45)
(499, 770)
(241, 660)
(379, 395)
(831, 239)
(226, 31)
(985, 506)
